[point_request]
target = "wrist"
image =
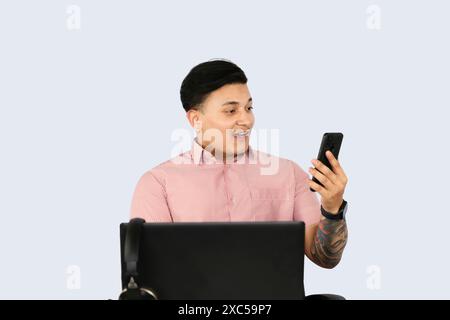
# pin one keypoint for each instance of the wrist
(333, 209)
(335, 215)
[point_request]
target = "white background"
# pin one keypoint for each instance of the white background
(86, 109)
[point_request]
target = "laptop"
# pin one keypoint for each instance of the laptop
(220, 260)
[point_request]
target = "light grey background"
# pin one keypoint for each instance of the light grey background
(84, 113)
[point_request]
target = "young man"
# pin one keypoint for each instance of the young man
(223, 179)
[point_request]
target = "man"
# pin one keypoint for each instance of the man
(223, 179)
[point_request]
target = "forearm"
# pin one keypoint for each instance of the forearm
(329, 243)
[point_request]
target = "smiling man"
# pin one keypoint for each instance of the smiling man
(223, 179)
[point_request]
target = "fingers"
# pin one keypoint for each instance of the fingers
(336, 166)
(326, 182)
(317, 187)
(324, 170)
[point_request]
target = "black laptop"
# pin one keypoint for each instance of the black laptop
(220, 260)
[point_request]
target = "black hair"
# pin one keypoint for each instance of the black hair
(207, 77)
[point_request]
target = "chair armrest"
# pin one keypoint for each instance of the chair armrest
(316, 297)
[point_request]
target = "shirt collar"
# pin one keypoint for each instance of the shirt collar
(202, 156)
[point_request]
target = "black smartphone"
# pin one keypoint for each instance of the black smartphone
(330, 141)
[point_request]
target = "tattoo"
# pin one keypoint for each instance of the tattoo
(329, 243)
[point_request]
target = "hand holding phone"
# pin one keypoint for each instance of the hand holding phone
(330, 141)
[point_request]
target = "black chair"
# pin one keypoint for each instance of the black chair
(130, 275)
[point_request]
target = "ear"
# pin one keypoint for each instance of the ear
(194, 119)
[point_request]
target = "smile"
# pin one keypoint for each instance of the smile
(241, 133)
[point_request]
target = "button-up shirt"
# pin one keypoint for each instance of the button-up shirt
(197, 187)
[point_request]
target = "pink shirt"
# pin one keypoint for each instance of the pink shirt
(195, 187)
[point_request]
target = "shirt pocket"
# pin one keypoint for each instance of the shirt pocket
(272, 204)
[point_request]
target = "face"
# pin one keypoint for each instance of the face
(223, 119)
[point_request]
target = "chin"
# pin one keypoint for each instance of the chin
(237, 147)
(239, 150)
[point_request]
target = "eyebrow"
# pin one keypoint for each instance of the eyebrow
(235, 102)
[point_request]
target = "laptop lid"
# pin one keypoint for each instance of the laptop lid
(221, 260)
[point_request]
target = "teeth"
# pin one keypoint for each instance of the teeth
(241, 133)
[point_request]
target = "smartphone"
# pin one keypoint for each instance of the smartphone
(330, 141)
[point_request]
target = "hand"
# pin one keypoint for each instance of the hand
(334, 182)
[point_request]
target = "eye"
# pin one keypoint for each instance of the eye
(250, 108)
(230, 111)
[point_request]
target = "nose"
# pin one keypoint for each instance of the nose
(245, 121)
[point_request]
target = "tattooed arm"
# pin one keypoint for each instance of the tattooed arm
(325, 242)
